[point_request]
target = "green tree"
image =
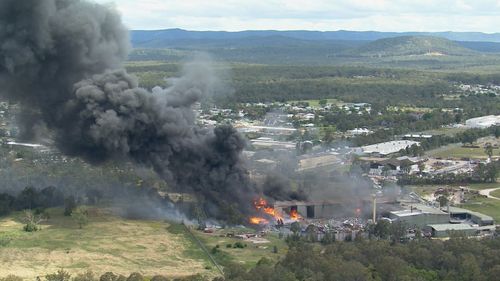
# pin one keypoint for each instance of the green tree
(398, 231)
(328, 135)
(488, 149)
(295, 227)
(443, 201)
(32, 221)
(406, 168)
(69, 205)
(81, 216)
(382, 229)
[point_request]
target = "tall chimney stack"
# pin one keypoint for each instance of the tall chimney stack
(374, 208)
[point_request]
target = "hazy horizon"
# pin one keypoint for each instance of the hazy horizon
(314, 15)
(311, 30)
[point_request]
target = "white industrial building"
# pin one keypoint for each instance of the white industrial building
(269, 143)
(389, 147)
(483, 122)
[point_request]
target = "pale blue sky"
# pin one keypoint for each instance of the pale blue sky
(380, 15)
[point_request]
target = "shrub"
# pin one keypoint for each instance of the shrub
(135, 276)
(108, 276)
(31, 227)
(4, 241)
(81, 216)
(275, 249)
(31, 221)
(159, 278)
(11, 278)
(60, 275)
(215, 250)
(121, 278)
(87, 276)
(239, 245)
(69, 205)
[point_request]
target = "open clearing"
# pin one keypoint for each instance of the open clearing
(457, 151)
(247, 256)
(107, 243)
(487, 206)
(315, 103)
(496, 193)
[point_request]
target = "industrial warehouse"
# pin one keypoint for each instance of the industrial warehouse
(347, 220)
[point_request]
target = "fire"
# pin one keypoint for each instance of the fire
(263, 207)
(294, 215)
(258, 220)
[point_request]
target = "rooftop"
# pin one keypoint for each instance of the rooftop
(456, 227)
(389, 147)
(418, 209)
(483, 217)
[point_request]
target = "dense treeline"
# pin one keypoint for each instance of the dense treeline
(31, 198)
(397, 120)
(457, 259)
(382, 86)
(474, 78)
(380, 91)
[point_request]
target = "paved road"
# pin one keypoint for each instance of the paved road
(488, 191)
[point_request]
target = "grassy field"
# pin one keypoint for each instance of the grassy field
(457, 151)
(107, 243)
(479, 186)
(445, 131)
(315, 103)
(496, 193)
(247, 256)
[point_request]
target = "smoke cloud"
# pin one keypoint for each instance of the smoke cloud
(62, 61)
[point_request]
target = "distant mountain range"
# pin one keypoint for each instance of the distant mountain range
(313, 47)
(364, 43)
(412, 45)
(143, 36)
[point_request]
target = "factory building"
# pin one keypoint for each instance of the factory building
(483, 122)
(442, 222)
(420, 215)
(444, 230)
(386, 148)
(334, 208)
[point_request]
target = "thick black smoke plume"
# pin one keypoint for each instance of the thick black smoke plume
(61, 60)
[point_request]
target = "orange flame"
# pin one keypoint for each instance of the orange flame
(258, 220)
(262, 206)
(294, 215)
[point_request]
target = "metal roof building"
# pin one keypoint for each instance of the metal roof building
(389, 147)
(483, 122)
(420, 215)
(444, 230)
